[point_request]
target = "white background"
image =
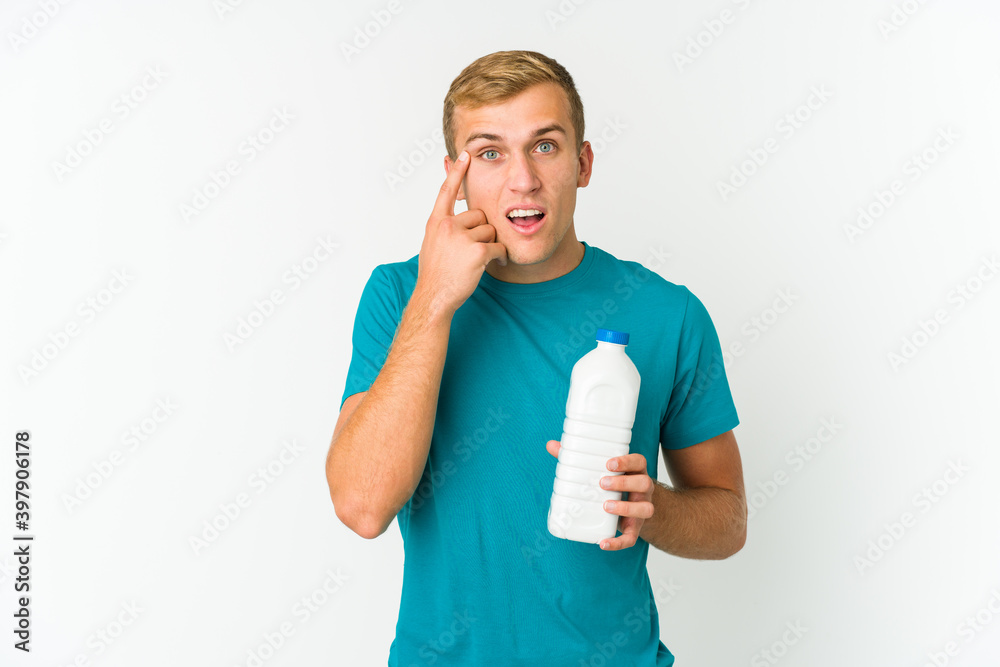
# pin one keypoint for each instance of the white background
(682, 128)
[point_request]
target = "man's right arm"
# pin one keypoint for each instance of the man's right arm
(380, 444)
(382, 438)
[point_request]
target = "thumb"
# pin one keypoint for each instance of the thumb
(552, 446)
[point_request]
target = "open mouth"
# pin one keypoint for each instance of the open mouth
(526, 220)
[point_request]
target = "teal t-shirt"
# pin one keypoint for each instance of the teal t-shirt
(484, 583)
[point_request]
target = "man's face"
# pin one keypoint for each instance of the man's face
(527, 160)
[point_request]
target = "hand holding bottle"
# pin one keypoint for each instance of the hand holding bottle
(639, 506)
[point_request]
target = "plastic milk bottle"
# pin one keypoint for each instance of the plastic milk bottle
(600, 411)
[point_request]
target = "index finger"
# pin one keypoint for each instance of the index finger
(628, 463)
(445, 204)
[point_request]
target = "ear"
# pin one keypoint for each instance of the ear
(586, 165)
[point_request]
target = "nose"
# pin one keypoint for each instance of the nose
(521, 176)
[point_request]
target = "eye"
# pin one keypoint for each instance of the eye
(552, 146)
(488, 152)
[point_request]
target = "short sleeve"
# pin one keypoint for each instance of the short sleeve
(374, 328)
(700, 405)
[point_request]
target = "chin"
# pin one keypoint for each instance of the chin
(522, 258)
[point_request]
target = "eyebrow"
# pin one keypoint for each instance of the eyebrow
(555, 127)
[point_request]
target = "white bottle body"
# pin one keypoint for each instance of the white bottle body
(600, 413)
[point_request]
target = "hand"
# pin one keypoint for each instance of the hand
(456, 248)
(639, 505)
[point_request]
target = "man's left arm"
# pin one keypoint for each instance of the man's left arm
(704, 515)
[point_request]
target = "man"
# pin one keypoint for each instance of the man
(458, 382)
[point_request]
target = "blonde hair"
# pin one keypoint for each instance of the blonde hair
(497, 77)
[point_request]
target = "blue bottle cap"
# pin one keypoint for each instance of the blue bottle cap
(609, 336)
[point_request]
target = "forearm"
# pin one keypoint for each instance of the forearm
(704, 523)
(377, 459)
